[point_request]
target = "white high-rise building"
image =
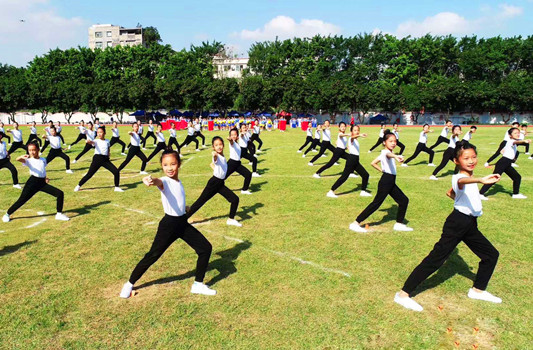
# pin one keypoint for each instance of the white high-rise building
(108, 35)
(227, 67)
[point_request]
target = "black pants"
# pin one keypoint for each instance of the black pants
(386, 186)
(58, 153)
(160, 147)
(149, 134)
(255, 137)
(173, 141)
(526, 146)
(308, 140)
(5, 136)
(114, 140)
(246, 155)
(447, 156)
(85, 149)
(504, 166)
(337, 154)
(324, 145)
(378, 142)
(421, 147)
(458, 227)
(34, 137)
(251, 147)
(313, 145)
(497, 153)
(401, 145)
(5, 163)
(170, 229)
(352, 164)
(15, 146)
(200, 135)
(235, 165)
(32, 186)
(440, 140)
(100, 160)
(214, 186)
(61, 137)
(80, 137)
(45, 145)
(132, 152)
(188, 140)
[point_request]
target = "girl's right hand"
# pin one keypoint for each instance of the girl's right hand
(490, 179)
(148, 181)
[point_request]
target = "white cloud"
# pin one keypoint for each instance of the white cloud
(42, 29)
(285, 27)
(445, 23)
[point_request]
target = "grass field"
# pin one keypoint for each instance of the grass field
(293, 277)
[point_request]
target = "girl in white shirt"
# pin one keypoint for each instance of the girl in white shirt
(468, 135)
(502, 145)
(33, 135)
(234, 163)
(396, 133)
(198, 131)
(308, 139)
(100, 159)
(174, 225)
(325, 145)
(116, 138)
(81, 135)
(172, 140)
(38, 182)
(17, 139)
(422, 147)
(386, 186)
(504, 165)
(380, 138)
(150, 133)
(3, 133)
(216, 184)
(255, 135)
(161, 145)
(447, 156)
(47, 132)
(6, 163)
(316, 141)
(352, 164)
(55, 149)
(59, 128)
(443, 137)
(339, 151)
(90, 135)
(461, 225)
(244, 142)
(190, 137)
(135, 149)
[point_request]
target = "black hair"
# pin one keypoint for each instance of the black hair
(456, 126)
(51, 122)
(353, 126)
(327, 120)
(513, 123)
(394, 123)
(82, 121)
(234, 129)
(473, 127)
(102, 127)
(33, 143)
(448, 121)
(217, 138)
(53, 127)
(386, 134)
(134, 123)
(423, 126)
(460, 146)
(510, 131)
(90, 123)
(382, 124)
(342, 123)
(170, 151)
(524, 124)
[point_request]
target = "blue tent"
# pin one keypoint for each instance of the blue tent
(175, 113)
(247, 114)
(234, 114)
(214, 114)
(188, 114)
(264, 114)
(378, 119)
(138, 113)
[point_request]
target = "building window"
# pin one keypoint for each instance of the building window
(97, 34)
(108, 34)
(109, 44)
(98, 45)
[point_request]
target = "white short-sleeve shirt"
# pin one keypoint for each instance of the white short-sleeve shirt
(326, 135)
(221, 167)
(150, 128)
(423, 137)
(396, 133)
(467, 200)
(115, 132)
(173, 133)
(160, 137)
(235, 151)
(453, 141)
(17, 135)
(388, 165)
(101, 147)
(381, 133)
(509, 150)
(33, 130)
(468, 136)
(91, 134)
(190, 131)
(3, 150)
(444, 132)
(309, 132)
(55, 141)
(37, 166)
(353, 147)
(341, 142)
(81, 129)
(172, 197)
(135, 140)
(317, 134)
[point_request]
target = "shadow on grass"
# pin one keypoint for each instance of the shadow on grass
(225, 265)
(356, 189)
(497, 188)
(263, 171)
(390, 215)
(454, 265)
(8, 249)
(86, 209)
(243, 214)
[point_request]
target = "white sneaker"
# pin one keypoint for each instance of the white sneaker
(402, 227)
(431, 164)
(485, 296)
(77, 188)
(323, 156)
(126, 290)
(144, 148)
(68, 147)
(407, 303)
(433, 177)
(17, 186)
(519, 196)
(336, 163)
(255, 155)
(254, 174)
(514, 165)
(331, 194)
(250, 163)
(62, 217)
(352, 175)
(123, 154)
(404, 165)
(316, 176)
(197, 150)
(365, 194)
(6, 218)
(245, 192)
(354, 226)
(200, 288)
(314, 150)
(69, 171)
(233, 222)
(299, 151)
(118, 189)
(530, 158)
(483, 198)
(258, 151)
(143, 173)
(303, 155)
(527, 153)
(369, 151)
(74, 161)
(486, 165)
(310, 164)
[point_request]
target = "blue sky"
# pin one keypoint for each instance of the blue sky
(60, 23)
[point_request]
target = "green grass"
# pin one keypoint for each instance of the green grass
(59, 282)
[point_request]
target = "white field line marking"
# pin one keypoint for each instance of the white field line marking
(40, 213)
(149, 223)
(131, 209)
(187, 161)
(36, 223)
(2, 231)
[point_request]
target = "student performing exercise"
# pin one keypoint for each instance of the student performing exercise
(421, 147)
(55, 149)
(6, 163)
(135, 149)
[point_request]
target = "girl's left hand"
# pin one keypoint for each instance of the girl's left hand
(400, 158)
(148, 181)
(47, 180)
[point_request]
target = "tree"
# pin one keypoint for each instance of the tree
(151, 36)
(13, 87)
